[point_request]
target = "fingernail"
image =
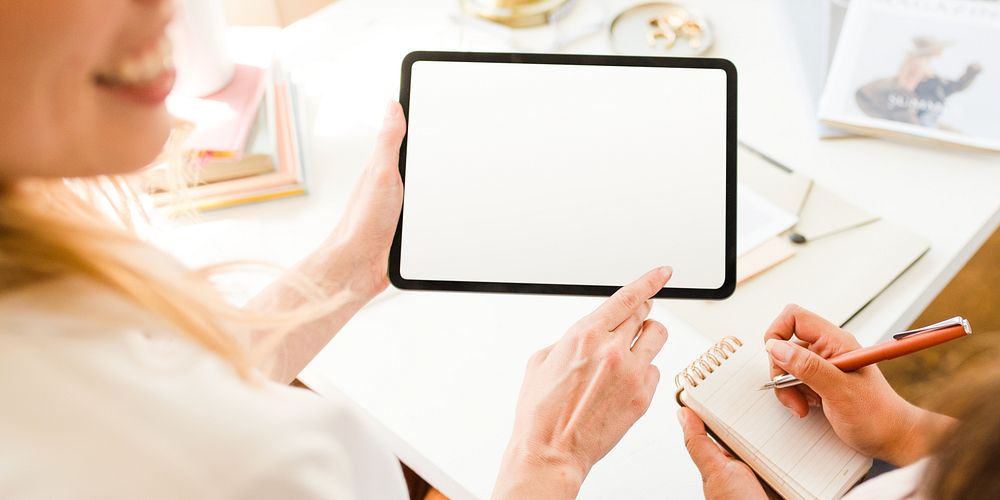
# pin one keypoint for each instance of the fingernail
(666, 271)
(682, 416)
(780, 351)
(812, 400)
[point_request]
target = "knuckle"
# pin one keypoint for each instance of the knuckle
(808, 365)
(653, 373)
(653, 281)
(656, 328)
(536, 358)
(611, 356)
(850, 337)
(792, 309)
(588, 336)
(627, 299)
(582, 324)
(632, 382)
(688, 439)
(691, 443)
(386, 137)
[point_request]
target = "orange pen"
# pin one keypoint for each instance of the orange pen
(902, 343)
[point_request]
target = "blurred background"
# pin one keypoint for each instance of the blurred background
(270, 12)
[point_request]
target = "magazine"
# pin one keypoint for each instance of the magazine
(918, 68)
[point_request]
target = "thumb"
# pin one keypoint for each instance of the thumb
(705, 454)
(812, 369)
(390, 137)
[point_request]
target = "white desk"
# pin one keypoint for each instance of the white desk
(438, 372)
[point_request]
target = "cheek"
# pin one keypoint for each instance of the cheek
(122, 136)
(54, 120)
(74, 128)
(102, 132)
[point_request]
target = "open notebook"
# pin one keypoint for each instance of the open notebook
(798, 457)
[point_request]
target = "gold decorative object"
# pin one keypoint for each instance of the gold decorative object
(660, 28)
(517, 13)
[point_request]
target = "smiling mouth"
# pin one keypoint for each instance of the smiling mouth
(139, 68)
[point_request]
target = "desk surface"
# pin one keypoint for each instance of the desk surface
(439, 372)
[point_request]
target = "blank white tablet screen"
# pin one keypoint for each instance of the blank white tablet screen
(564, 174)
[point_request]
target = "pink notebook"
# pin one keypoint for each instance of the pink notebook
(222, 120)
(287, 179)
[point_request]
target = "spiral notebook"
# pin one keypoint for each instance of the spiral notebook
(800, 458)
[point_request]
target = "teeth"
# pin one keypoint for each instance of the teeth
(140, 68)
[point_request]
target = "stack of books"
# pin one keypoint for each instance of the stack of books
(240, 145)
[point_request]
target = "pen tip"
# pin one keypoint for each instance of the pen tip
(765, 387)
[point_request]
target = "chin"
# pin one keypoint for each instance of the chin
(142, 147)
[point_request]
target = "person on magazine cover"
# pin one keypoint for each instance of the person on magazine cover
(917, 94)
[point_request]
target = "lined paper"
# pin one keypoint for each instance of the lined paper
(803, 453)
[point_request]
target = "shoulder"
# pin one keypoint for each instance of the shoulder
(120, 409)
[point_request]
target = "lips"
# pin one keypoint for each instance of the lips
(146, 76)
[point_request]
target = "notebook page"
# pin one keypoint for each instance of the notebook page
(804, 452)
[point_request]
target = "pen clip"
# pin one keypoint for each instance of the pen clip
(956, 321)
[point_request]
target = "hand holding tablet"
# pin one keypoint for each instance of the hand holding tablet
(566, 174)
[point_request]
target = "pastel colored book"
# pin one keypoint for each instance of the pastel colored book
(222, 121)
(271, 167)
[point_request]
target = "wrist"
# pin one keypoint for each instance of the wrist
(538, 471)
(917, 436)
(338, 267)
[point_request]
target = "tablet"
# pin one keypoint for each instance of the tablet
(566, 174)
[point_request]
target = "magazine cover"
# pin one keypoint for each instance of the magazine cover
(926, 68)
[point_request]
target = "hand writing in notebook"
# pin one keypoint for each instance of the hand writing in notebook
(861, 407)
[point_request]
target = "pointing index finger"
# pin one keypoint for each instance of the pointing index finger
(630, 297)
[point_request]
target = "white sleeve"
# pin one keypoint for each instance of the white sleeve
(902, 483)
(331, 455)
(316, 470)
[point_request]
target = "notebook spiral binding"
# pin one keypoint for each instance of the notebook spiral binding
(707, 362)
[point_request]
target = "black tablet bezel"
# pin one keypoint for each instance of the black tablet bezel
(722, 292)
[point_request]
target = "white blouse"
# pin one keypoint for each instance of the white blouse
(100, 400)
(899, 484)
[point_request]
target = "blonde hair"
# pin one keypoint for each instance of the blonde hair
(52, 228)
(965, 460)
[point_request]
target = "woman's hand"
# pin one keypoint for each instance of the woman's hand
(359, 246)
(350, 267)
(581, 394)
(861, 406)
(722, 476)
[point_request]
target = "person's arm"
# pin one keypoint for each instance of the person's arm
(351, 265)
(581, 394)
(963, 82)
